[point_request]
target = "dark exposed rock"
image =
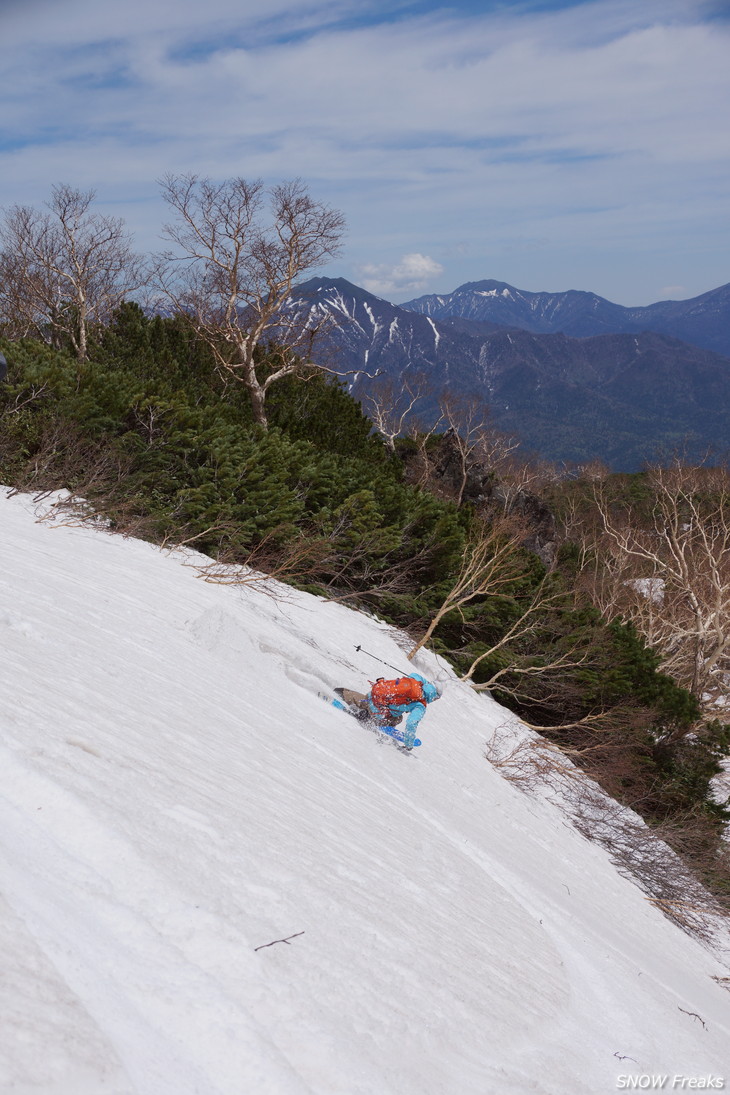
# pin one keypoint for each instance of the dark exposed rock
(448, 470)
(538, 516)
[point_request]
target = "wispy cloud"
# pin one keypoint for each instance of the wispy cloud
(673, 292)
(598, 129)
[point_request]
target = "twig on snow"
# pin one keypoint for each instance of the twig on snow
(273, 941)
(694, 1015)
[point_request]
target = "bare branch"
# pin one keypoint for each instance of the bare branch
(476, 440)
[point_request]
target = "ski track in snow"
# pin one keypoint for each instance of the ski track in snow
(175, 795)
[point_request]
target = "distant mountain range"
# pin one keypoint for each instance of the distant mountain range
(574, 376)
(703, 321)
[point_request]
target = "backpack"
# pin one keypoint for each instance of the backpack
(394, 693)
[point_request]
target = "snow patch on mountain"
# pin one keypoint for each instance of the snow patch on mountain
(373, 320)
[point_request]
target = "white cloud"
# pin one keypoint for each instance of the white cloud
(412, 273)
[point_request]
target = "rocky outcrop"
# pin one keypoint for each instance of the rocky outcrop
(539, 518)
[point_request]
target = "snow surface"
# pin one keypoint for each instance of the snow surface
(175, 795)
(651, 588)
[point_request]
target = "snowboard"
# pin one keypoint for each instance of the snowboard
(351, 702)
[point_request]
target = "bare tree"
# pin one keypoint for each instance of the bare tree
(519, 663)
(476, 440)
(490, 566)
(390, 405)
(509, 675)
(239, 249)
(668, 571)
(64, 269)
(520, 475)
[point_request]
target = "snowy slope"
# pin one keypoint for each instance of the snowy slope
(174, 795)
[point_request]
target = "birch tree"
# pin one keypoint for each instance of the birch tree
(389, 405)
(64, 269)
(517, 662)
(238, 250)
(476, 441)
(669, 573)
(491, 564)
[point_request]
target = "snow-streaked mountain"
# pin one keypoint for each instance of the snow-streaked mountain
(703, 321)
(617, 397)
(175, 797)
(364, 333)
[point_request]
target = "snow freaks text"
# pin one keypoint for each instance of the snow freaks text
(645, 1082)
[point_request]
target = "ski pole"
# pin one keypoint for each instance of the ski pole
(360, 649)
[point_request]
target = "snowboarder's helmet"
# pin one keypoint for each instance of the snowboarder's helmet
(431, 692)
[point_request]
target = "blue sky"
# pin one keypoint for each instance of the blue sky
(554, 145)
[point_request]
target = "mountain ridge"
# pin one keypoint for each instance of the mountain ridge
(703, 321)
(615, 396)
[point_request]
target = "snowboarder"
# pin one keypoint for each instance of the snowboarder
(388, 701)
(3, 367)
